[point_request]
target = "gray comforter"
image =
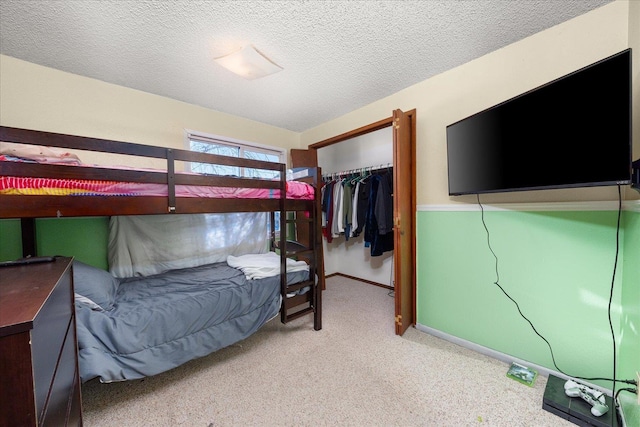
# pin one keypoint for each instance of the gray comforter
(159, 322)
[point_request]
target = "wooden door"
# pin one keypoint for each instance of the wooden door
(304, 158)
(403, 215)
(404, 206)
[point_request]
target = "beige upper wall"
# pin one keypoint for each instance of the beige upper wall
(489, 80)
(36, 97)
(42, 98)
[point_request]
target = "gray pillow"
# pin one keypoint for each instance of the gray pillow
(94, 283)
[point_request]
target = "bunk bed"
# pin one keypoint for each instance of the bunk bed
(107, 349)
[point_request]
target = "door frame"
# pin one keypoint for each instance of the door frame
(372, 127)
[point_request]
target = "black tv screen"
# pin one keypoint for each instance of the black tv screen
(572, 132)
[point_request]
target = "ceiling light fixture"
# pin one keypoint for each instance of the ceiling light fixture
(248, 63)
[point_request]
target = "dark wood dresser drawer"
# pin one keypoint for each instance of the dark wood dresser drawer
(38, 347)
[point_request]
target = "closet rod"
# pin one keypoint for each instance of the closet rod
(357, 170)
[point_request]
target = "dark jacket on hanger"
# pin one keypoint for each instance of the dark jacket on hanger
(379, 243)
(327, 207)
(363, 205)
(384, 204)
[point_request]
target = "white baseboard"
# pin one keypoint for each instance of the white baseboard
(501, 356)
(628, 205)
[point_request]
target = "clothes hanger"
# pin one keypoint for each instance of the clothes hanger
(356, 176)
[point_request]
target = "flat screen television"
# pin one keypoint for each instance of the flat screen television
(572, 132)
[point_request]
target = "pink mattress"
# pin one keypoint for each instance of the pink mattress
(64, 187)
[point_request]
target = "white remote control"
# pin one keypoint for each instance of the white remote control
(593, 397)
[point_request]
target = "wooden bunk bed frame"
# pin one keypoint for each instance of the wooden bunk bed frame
(29, 207)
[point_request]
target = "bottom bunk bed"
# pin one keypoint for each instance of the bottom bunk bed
(141, 326)
(175, 291)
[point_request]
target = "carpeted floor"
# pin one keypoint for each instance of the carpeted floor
(354, 372)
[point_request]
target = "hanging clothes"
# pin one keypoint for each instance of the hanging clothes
(354, 213)
(378, 192)
(353, 205)
(363, 204)
(338, 204)
(384, 204)
(327, 207)
(348, 207)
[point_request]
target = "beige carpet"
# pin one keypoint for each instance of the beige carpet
(354, 372)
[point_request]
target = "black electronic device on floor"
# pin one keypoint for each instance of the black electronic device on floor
(575, 409)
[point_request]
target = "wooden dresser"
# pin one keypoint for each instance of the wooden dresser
(39, 378)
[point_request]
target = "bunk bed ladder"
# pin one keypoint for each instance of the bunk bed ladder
(301, 298)
(295, 304)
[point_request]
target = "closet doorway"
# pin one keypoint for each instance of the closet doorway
(403, 126)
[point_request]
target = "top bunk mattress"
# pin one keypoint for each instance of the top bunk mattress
(14, 185)
(37, 169)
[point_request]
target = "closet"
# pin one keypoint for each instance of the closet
(399, 263)
(348, 167)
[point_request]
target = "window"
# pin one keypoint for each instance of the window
(223, 146)
(229, 147)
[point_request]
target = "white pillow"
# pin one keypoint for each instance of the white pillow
(39, 153)
(86, 301)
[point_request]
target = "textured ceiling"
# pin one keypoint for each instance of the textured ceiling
(337, 55)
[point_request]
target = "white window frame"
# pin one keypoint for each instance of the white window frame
(232, 142)
(242, 145)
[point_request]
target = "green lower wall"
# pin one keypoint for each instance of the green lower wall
(630, 319)
(10, 239)
(558, 266)
(84, 238)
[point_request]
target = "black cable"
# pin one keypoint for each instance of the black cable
(613, 278)
(615, 399)
(497, 283)
(629, 389)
